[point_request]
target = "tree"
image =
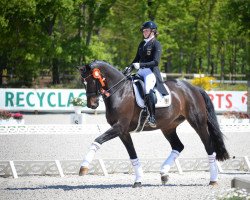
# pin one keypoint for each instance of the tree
(197, 36)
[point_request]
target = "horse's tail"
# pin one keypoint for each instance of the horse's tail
(216, 135)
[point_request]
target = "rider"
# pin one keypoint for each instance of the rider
(146, 62)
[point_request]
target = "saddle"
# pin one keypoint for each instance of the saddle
(139, 91)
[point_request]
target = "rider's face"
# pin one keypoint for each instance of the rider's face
(147, 32)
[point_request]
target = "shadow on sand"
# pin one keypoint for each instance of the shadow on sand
(101, 186)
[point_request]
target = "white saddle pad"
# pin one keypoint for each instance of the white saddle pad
(161, 101)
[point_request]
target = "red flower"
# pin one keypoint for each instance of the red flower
(17, 116)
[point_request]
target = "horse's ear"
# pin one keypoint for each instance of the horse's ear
(83, 70)
(95, 64)
(92, 65)
(84, 67)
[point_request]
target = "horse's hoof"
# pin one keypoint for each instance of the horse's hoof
(164, 179)
(213, 183)
(83, 171)
(137, 184)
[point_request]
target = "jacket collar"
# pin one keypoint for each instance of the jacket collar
(148, 39)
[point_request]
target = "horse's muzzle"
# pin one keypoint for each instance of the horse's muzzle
(94, 106)
(93, 102)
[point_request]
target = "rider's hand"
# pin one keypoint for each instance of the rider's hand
(127, 69)
(136, 65)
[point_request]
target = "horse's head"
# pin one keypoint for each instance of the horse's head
(93, 76)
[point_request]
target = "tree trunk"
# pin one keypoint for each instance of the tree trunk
(150, 13)
(81, 28)
(248, 59)
(200, 69)
(3, 64)
(90, 24)
(208, 50)
(212, 67)
(192, 63)
(234, 60)
(210, 12)
(168, 64)
(222, 61)
(49, 27)
(181, 60)
(1, 76)
(55, 71)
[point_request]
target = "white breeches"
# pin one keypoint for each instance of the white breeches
(149, 79)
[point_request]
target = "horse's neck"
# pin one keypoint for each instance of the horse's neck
(113, 77)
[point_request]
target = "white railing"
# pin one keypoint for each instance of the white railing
(110, 166)
(107, 166)
(226, 125)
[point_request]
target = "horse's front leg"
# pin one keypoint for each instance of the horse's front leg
(113, 132)
(128, 143)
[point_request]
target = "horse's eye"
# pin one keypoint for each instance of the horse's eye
(83, 71)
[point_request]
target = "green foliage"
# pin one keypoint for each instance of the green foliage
(211, 37)
(5, 114)
(231, 87)
(77, 101)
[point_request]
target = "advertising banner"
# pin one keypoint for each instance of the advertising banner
(40, 99)
(59, 100)
(229, 100)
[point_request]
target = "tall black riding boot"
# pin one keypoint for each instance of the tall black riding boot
(150, 103)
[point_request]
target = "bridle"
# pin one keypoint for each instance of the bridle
(100, 84)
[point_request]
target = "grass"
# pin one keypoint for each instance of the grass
(231, 87)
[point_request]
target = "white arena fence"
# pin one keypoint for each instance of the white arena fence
(108, 166)
(226, 125)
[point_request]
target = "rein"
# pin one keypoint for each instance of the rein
(123, 79)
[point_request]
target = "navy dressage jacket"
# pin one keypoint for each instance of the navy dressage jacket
(149, 56)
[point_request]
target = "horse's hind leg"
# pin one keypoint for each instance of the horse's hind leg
(202, 130)
(128, 143)
(177, 147)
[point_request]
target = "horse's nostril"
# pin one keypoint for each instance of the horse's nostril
(94, 107)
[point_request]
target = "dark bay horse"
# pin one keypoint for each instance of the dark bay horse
(122, 112)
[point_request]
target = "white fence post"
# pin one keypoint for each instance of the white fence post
(104, 170)
(247, 162)
(178, 165)
(59, 167)
(219, 167)
(13, 169)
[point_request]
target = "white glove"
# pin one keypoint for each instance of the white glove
(136, 65)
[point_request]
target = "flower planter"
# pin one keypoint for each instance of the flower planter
(11, 121)
(78, 109)
(78, 118)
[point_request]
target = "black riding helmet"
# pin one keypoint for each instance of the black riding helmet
(149, 24)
